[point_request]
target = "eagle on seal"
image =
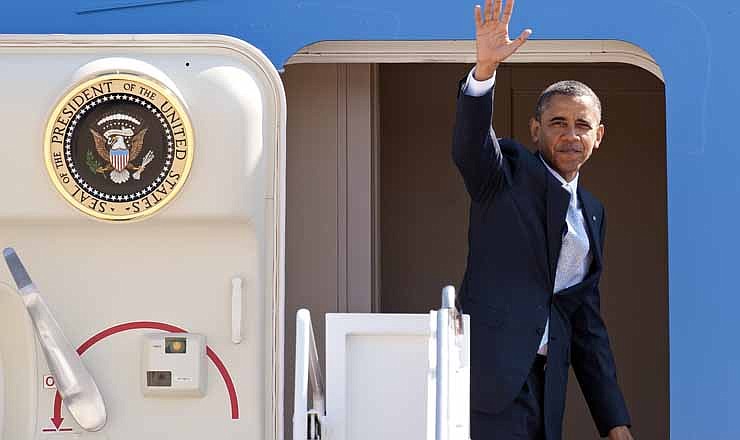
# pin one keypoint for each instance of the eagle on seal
(114, 150)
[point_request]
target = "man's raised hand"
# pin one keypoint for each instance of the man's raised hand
(492, 41)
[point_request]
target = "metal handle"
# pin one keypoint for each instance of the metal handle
(79, 392)
(236, 310)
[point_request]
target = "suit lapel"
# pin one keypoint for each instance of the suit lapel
(591, 213)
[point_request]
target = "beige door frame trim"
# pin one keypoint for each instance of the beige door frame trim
(463, 51)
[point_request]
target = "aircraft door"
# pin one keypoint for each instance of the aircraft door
(143, 191)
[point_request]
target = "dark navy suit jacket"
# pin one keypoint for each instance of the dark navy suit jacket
(517, 218)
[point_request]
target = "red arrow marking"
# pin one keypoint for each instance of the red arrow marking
(57, 421)
(152, 325)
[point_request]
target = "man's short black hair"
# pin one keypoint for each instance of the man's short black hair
(566, 88)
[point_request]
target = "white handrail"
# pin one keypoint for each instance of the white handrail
(307, 376)
(452, 376)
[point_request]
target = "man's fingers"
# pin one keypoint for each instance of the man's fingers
(507, 12)
(487, 11)
(496, 11)
(522, 38)
(478, 20)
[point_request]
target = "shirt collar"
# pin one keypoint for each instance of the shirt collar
(571, 186)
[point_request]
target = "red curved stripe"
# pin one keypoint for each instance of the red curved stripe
(153, 325)
(229, 384)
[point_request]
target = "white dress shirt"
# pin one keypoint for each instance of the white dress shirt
(575, 253)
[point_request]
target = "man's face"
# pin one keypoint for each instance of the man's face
(568, 131)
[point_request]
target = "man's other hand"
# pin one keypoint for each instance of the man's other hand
(620, 433)
(492, 41)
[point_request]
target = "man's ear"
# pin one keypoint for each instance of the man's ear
(599, 136)
(534, 129)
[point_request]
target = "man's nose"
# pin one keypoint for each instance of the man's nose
(570, 133)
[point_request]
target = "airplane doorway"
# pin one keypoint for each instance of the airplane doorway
(376, 216)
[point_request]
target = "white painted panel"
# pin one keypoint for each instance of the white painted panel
(18, 371)
(387, 386)
(377, 372)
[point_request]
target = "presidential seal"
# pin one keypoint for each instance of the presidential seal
(119, 147)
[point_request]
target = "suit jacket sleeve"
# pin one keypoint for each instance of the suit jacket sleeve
(475, 150)
(594, 364)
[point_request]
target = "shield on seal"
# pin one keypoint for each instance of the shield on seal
(119, 159)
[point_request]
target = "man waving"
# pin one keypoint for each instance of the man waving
(531, 285)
